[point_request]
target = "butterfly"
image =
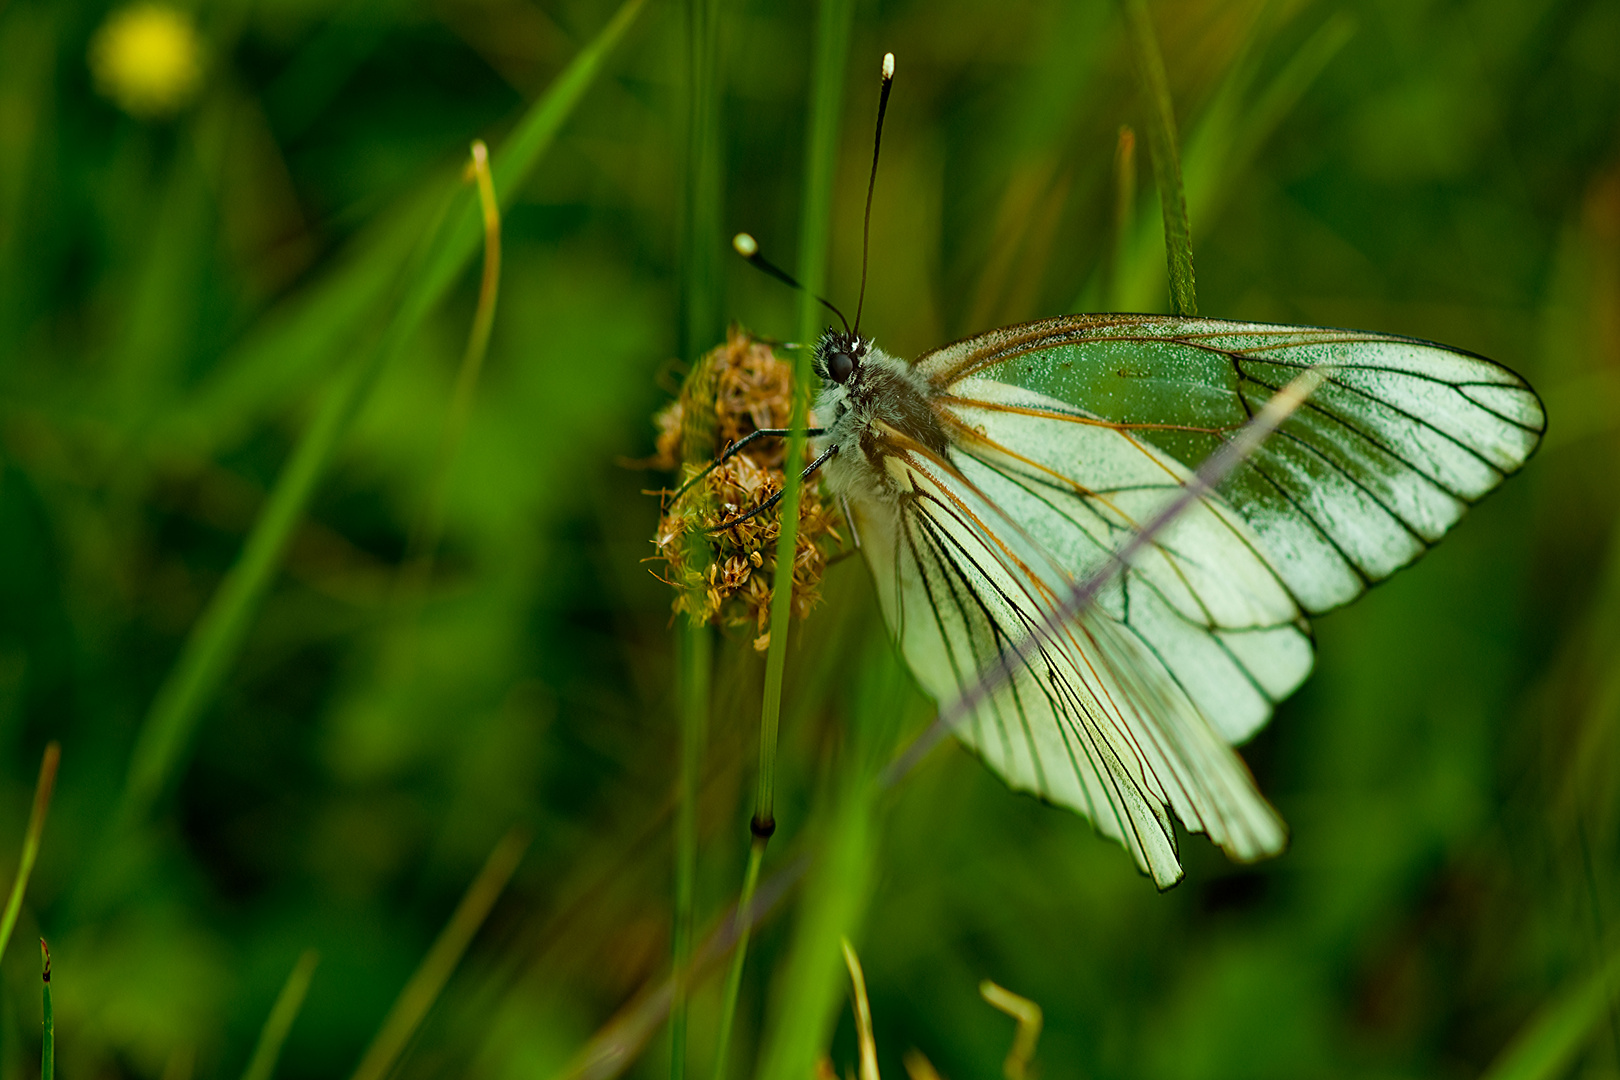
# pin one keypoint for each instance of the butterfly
(986, 478)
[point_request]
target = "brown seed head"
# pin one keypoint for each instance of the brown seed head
(726, 577)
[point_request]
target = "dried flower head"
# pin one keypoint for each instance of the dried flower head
(726, 577)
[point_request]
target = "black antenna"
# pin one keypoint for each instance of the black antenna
(871, 184)
(748, 248)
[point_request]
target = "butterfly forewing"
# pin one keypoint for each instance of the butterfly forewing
(1374, 468)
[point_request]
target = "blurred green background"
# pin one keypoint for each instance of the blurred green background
(191, 286)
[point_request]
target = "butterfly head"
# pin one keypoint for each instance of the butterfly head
(839, 354)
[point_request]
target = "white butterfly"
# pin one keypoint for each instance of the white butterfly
(987, 477)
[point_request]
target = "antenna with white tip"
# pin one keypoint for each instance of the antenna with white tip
(746, 246)
(871, 184)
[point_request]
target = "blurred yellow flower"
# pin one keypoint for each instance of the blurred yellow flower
(147, 59)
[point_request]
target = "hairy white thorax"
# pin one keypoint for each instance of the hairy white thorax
(884, 393)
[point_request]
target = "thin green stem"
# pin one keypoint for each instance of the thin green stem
(425, 984)
(617, 1043)
(700, 329)
(47, 1042)
(863, 1012)
(697, 647)
(430, 528)
(733, 990)
(1028, 1015)
(702, 241)
(1124, 214)
(821, 149)
(1600, 936)
(1162, 143)
(262, 1065)
(806, 989)
(30, 849)
(1548, 1043)
(830, 62)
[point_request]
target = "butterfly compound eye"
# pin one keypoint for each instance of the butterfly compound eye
(840, 365)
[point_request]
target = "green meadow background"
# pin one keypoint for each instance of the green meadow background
(229, 339)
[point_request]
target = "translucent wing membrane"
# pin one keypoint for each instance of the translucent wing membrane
(1065, 436)
(1375, 467)
(1203, 597)
(980, 551)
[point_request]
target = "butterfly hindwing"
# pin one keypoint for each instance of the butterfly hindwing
(1095, 719)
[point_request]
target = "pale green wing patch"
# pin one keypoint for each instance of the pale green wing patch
(1202, 597)
(1375, 467)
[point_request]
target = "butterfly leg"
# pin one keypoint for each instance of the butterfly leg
(809, 470)
(731, 451)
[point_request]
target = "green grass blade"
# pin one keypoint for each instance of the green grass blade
(217, 636)
(425, 984)
(216, 639)
(701, 243)
(696, 649)
(811, 980)
(821, 153)
(702, 238)
(829, 65)
(1548, 1043)
(425, 537)
(522, 149)
(30, 849)
(810, 989)
(1124, 216)
(614, 1047)
(739, 958)
(305, 337)
(290, 347)
(262, 1065)
(1028, 1035)
(1228, 134)
(1165, 151)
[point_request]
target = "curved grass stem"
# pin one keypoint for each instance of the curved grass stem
(30, 849)
(1028, 1015)
(733, 990)
(262, 1065)
(430, 528)
(701, 243)
(425, 984)
(829, 64)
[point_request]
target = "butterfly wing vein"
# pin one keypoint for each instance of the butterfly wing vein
(1067, 435)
